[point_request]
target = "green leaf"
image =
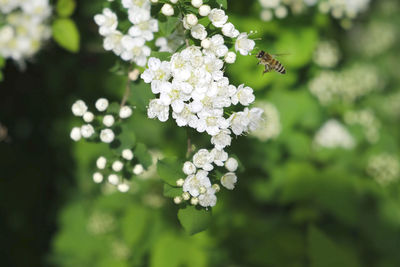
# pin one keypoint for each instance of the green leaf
(170, 191)
(169, 171)
(114, 108)
(2, 62)
(169, 25)
(194, 220)
(161, 55)
(143, 155)
(65, 8)
(66, 34)
(223, 3)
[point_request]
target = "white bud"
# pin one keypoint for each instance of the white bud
(188, 168)
(202, 190)
(127, 154)
(186, 196)
(204, 10)
(206, 43)
(177, 200)
(191, 19)
(79, 108)
(108, 120)
(117, 166)
(180, 182)
(113, 179)
(229, 180)
(231, 164)
(123, 188)
(154, 1)
(134, 75)
(101, 163)
(174, 1)
(101, 104)
(167, 10)
(75, 134)
(230, 57)
(97, 177)
(88, 117)
(138, 169)
(87, 130)
(216, 187)
(197, 3)
(125, 112)
(107, 136)
(194, 201)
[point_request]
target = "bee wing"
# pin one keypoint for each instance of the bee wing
(280, 55)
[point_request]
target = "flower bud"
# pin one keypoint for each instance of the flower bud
(177, 200)
(191, 19)
(123, 188)
(204, 10)
(202, 190)
(230, 57)
(167, 10)
(113, 179)
(173, 1)
(180, 182)
(138, 169)
(75, 134)
(125, 112)
(87, 130)
(186, 196)
(216, 187)
(194, 201)
(127, 154)
(117, 166)
(206, 43)
(101, 163)
(97, 177)
(231, 164)
(79, 108)
(107, 136)
(108, 120)
(101, 104)
(88, 117)
(188, 168)
(197, 3)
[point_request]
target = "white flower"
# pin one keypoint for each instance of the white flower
(108, 120)
(76, 134)
(212, 122)
(231, 164)
(144, 29)
(203, 159)
(333, 134)
(125, 112)
(157, 109)
(189, 21)
(123, 188)
(188, 168)
(112, 42)
(79, 108)
(167, 10)
(197, 3)
(229, 180)
(239, 122)
(229, 30)
(198, 32)
(88, 117)
(101, 163)
(107, 22)
(117, 166)
(208, 199)
(194, 183)
(101, 104)
(204, 10)
(218, 17)
(217, 46)
(127, 154)
(107, 136)
(174, 1)
(138, 169)
(244, 95)
(230, 58)
(255, 119)
(281, 12)
(244, 45)
(158, 71)
(113, 179)
(87, 130)
(97, 177)
(135, 50)
(206, 43)
(219, 156)
(222, 139)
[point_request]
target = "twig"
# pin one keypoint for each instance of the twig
(127, 89)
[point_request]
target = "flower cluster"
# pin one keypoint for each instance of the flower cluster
(327, 54)
(25, 28)
(345, 86)
(270, 127)
(94, 124)
(367, 120)
(333, 135)
(130, 46)
(384, 168)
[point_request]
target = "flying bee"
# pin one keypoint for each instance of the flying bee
(270, 63)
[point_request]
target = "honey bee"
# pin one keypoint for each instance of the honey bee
(270, 63)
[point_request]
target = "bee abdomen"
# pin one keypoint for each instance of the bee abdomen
(280, 68)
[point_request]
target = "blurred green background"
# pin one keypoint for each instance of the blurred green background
(296, 203)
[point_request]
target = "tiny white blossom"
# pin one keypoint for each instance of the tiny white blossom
(231, 164)
(107, 22)
(123, 188)
(157, 109)
(189, 21)
(167, 10)
(87, 130)
(107, 136)
(101, 104)
(97, 177)
(125, 112)
(76, 134)
(203, 159)
(229, 30)
(206, 43)
(88, 116)
(198, 32)
(244, 45)
(229, 180)
(188, 168)
(108, 120)
(244, 95)
(218, 17)
(117, 166)
(230, 57)
(208, 199)
(204, 10)
(101, 163)
(127, 154)
(219, 156)
(79, 108)
(194, 182)
(197, 3)
(138, 169)
(222, 139)
(113, 179)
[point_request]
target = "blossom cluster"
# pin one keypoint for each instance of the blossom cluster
(23, 28)
(384, 168)
(333, 134)
(327, 54)
(345, 86)
(339, 9)
(132, 45)
(94, 124)
(367, 120)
